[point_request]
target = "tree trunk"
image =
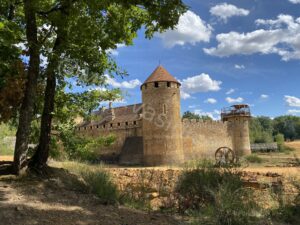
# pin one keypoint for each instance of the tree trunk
(26, 111)
(40, 157)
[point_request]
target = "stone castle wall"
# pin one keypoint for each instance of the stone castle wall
(202, 138)
(120, 130)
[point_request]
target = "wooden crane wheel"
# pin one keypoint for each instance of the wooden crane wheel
(224, 156)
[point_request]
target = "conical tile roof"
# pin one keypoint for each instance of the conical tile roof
(160, 74)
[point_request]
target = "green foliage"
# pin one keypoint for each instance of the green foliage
(289, 126)
(279, 138)
(100, 183)
(6, 145)
(67, 144)
(190, 115)
(77, 38)
(253, 158)
(215, 196)
(261, 130)
(96, 180)
(289, 209)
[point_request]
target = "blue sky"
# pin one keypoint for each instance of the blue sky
(224, 52)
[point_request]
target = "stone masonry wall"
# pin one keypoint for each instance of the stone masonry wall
(120, 130)
(202, 138)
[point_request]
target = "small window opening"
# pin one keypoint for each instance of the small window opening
(78, 128)
(97, 126)
(168, 84)
(156, 84)
(85, 128)
(126, 123)
(134, 122)
(111, 125)
(91, 127)
(119, 124)
(104, 126)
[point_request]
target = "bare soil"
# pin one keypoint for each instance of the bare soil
(54, 200)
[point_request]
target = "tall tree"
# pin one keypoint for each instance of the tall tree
(26, 111)
(190, 115)
(75, 36)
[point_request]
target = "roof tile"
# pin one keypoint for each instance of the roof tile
(160, 74)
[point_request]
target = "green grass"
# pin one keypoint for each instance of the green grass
(253, 158)
(96, 180)
(6, 144)
(216, 196)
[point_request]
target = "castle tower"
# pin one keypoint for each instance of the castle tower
(238, 117)
(162, 128)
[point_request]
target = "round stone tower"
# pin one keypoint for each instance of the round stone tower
(162, 128)
(238, 117)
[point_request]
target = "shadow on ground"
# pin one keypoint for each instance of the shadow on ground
(57, 198)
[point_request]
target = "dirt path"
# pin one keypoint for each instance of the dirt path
(51, 201)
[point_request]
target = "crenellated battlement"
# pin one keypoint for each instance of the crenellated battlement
(110, 126)
(217, 124)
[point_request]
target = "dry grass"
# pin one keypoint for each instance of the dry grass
(279, 162)
(6, 157)
(295, 145)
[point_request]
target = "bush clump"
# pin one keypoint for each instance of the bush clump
(100, 183)
(253, 158)
(216, 196)
(67, 144)
(289, 208)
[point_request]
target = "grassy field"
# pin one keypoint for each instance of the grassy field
(286, 163)
(7, 134)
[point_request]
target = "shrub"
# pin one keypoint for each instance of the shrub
(67, 144)
(216, 196)
(136, 195)
(289, 209)
(96, 180)
(99, 183)
(253, 158)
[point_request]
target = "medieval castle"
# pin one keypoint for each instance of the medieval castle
(152, 133)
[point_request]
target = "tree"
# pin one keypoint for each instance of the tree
(19, 21)
(12, 70)
(288, 126)
(261, 130)
(189, 115)
(75, 36)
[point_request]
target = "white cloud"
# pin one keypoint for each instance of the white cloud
(200, 83)
(115, 52)
(124, 84)
(97, 88)
(234, 100)
(184, 95)
(293, 111)
(230, 91)
(292, 101)
(190, 29)
(211, 101)
(239, 67)
(264, 96)
(281, 36)
(225, 11)
(193, 106)
(295, 1)
(215, 115)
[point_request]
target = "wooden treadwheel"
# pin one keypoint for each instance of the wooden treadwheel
(224, 156)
